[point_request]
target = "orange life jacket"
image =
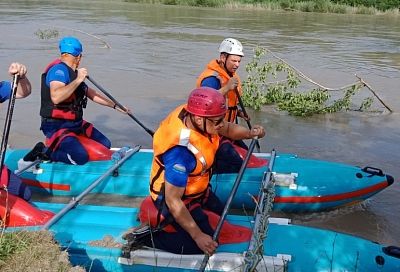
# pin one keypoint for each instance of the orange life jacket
(173, 132)
(214, 69)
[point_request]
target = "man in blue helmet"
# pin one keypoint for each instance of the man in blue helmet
(63, 97)
(9, 181)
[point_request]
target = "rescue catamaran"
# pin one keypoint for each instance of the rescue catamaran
(97, 237)
(302, 185)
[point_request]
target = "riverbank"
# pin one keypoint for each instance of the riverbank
(21, 251)
(322, 6)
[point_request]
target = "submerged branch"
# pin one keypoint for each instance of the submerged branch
(106, 45)
(302, 75)
(374, 93)
(360, 81)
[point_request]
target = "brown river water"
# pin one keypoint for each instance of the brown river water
(156, 52)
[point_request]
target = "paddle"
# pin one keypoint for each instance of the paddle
(149, 131)
(7, 123)
(229, 201)
(75, 200)
(245, 113)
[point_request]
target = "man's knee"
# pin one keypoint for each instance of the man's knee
(74, 150)
(227, 160)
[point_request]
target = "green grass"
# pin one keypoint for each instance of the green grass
(323, 6)
(11, 243)
(32, 251)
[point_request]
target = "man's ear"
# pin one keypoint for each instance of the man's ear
(198, 120)
(222, 57)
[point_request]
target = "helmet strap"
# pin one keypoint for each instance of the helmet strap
(197, 127)
(205, 129)
(205, 125)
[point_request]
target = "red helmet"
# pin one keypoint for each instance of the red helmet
(206, 102)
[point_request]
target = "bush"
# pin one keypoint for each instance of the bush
(286, 92)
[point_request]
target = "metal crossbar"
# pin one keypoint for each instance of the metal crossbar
(255, 251)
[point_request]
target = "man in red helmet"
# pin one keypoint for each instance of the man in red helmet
(184, 149)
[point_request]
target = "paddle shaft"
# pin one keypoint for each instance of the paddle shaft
(7, 123)
(229, 201)
(75, 201)
(245, 113)
(149, 131)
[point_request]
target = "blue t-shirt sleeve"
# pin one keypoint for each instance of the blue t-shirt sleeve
(5, 90)
(211, 82)
(179, 162)
(58, 72)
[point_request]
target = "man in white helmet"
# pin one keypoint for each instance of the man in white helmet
(220, 74)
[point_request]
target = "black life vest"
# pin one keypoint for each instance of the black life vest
(71, 108)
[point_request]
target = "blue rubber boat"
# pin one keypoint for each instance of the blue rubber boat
(291, 247)
(93, 236)
(302, 185)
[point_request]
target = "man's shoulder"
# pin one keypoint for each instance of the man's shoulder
(58, 72)
(58, 66)
(212, 82)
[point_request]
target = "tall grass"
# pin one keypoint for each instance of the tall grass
(322, 6)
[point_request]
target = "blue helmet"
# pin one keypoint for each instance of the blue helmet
(71, 46)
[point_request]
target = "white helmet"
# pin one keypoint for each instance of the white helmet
(232, 47)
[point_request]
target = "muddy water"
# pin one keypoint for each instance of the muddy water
(148, 57)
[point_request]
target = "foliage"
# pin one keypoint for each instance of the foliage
(283, 93)
(207, 3)
(378, 4)
(47, 34)
(331, 6)
(328, 5)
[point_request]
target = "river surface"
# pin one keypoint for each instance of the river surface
(155, 53)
